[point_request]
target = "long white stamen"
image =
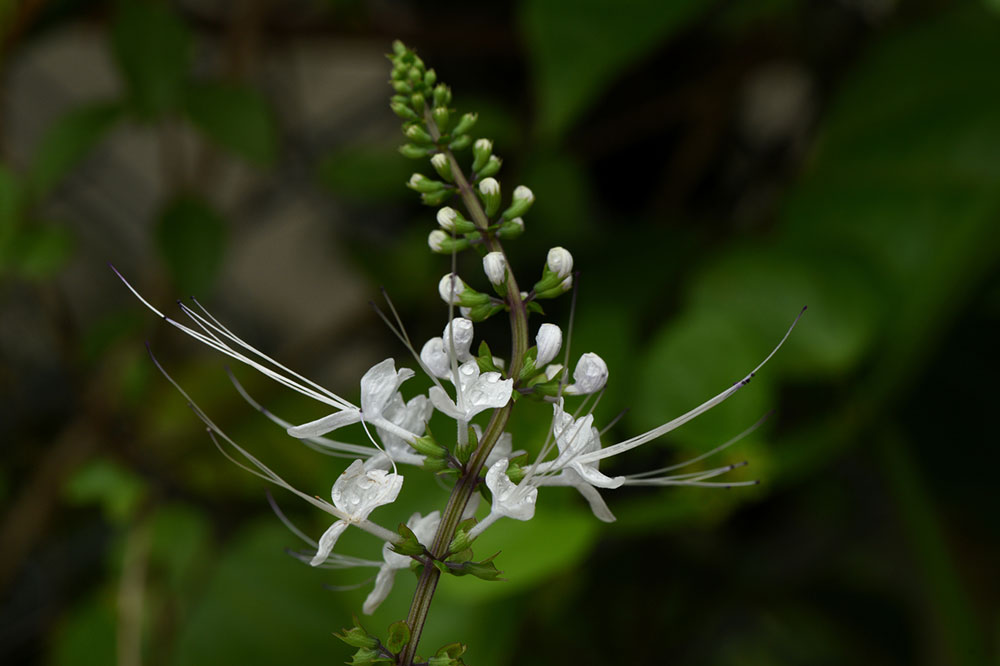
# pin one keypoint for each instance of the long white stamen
(639, 440)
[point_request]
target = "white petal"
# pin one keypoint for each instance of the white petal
(378, 386)
(589, 376)
(444, 404)
(597, 504)
(488, 392)
(461, 329)
(383, 585)
(510, 499)
(358, 491)
(436, 358)
(327, 542)
(326, 424)
(590, 474)
(549, 340)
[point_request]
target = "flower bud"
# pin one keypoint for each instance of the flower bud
(418, 102)
(442, 95)
(560, 262)
(441, 164)
(523, 198)
(511, 228)
(549, 340)
(465, 123)
(403, 111)
(460, 142)
(435, 359)
(423, 184)
(489, 190)
(441, 117)
(437, 239)
(589, 376)
(495, 267)
(417, 134)
(447, 216)
(492, 167)
(430, 77)
(451, 288)
(481, 151)
(435, 198)
(414, 152)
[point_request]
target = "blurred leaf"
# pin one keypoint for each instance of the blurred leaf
(102, 481)
(38, 252)
(86, 637)
(181, 538)
(235, 117)
(563, 207)
(694, 358)
(368, 173)
(578, 50)
(766, 287)
(274, 603)
(556, 539)
(67, 141)
(191, 237)
(153, 50)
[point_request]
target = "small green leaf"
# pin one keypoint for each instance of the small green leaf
(67, 141)
(192, 238)
(235, 117)
(399, 636)
(116, 489)
(153, 50)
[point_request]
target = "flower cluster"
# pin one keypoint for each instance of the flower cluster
(467, 385)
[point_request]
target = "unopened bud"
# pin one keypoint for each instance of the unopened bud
(441, 117)
(523, 198)
(403, 111)
(559, 261)
(418, 134)
(430, 77)
(495, 267)
(481, 151)
(414, 152)
(457, 336)
(465, 123)
(489, 190)
(446, 217)
(549, 340)
(437, 239)
(451, 288)
(442, 95)
(441, 164)
(423, 184)
(511, 228)
(461, 142)
(492, 167)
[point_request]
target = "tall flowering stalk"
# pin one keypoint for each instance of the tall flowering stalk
(468, 387)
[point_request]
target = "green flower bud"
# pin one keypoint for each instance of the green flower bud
(442, 95)
(398, 47)
(417, 100)
(441, 117)
(426, 446)
(523, 198)
(492, 167)
(430, 77)
(436, 198)
(483, 311)
(450, 219)
(481, 151)
(415, 152)
(442, 165)
(403, 111)
(402, 87)
(460, 142)
(511, 228)
(442, 243)
(415, 76)
(418, 134)
(489, 192)
(358, 637)
(465, 123)
(422, 183)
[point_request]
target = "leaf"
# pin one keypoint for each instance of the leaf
(577, 50)
(191, 237)
(115, 488)
(67, 141)
(235, 117)
(86, 636)
(153, 50)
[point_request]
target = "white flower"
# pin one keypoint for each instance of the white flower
(446, 216)
(495, 267)
(489, 186)
(523, 193)
(549, 340)
(483, 145)
(378, 386)
(423, 528)
(437, 239)
(450, 288)
(435, 358)
(560, 261)
(475, 391)
(411, 417)
(590, 375)
(576, 438)
(357, 492)
(512, 500)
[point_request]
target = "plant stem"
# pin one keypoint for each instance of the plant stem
(469, 480)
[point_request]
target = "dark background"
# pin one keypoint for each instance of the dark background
(713, 166)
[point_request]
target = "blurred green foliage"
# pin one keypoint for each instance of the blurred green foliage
(859, 546)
